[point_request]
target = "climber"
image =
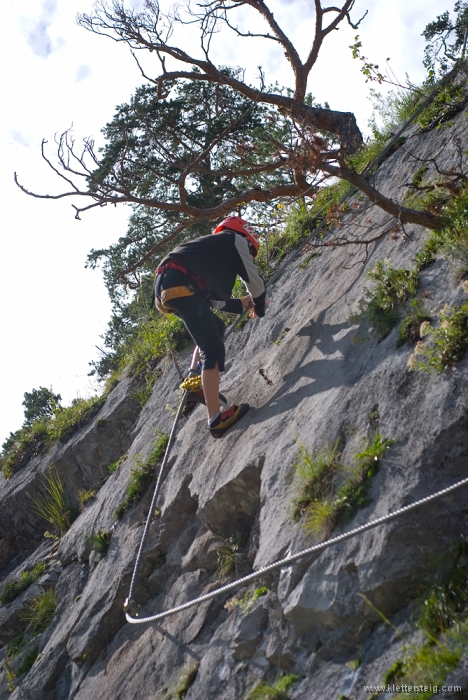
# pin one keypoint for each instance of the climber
(199, 276)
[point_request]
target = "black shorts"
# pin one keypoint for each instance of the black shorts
(206, 329)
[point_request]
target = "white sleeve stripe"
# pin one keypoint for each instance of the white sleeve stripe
(254, 282)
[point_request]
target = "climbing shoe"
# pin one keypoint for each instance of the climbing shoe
(224, 421)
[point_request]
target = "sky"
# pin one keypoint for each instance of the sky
(56, 75)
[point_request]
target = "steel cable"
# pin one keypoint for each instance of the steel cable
(293, 557)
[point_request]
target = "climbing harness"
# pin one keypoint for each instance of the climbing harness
(130, 607)
(162, 297)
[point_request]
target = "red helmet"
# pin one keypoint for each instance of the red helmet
(235, 223)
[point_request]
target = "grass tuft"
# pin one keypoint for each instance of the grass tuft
(28, 661)
(278, 691)
(187, 680)
(53, 506)
(141, 475)
(326, 500)
(40, 611)
(100, 541)
(12, 589)
(85, 495)
(246, 601)
(227, 555)
(446, 344)
(316, 473)
(385, 302)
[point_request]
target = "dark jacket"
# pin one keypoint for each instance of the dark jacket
(218, 259)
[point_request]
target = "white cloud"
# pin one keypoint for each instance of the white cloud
(21, 138)
(38, 37)
(82, 72)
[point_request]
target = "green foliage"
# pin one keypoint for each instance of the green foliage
(448, 101)
(428, 254)
(384, 303)
(285, 233)
(446, 344)
(394, 673)
(85, 495)
(100, 542)
(144, 390)
(141, 475)
(410, 327)
(326, 499)
(278, 691)
(442, 618)
(16, 644)
(439, 53)
(28, 661)
(187, 681)
(445, 595)
(315, 475)
(432, 662)
(53, 506)
(12, 589)
(392, 109)
(227, 555)
(40, 403)
(246, 601)
(43, 432)
(40, 611)
(453, 239)
(113, 466)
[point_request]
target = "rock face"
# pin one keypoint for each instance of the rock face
(311, 375)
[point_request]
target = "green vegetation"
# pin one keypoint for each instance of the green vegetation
(187, 681)
(12, 589)
(446, 344)
(44, 431)
(445, 595)
(384, 304)
(113, 466)
(85, 495)
(330, 494)
(452, 240)
(448, 101)
(40, 611)
(15, 645)
(227, 555)
(282, 336)
(54, 506)
(141, 475)
(278, 691)
(395, 672)
(40, 403)
(410, 327)
(246, 601)
(144, 390)
(28, 661)
(434, 661)
(316, 474)
(100, 541)
(442, 618)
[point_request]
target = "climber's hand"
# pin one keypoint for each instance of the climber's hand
(247, 302)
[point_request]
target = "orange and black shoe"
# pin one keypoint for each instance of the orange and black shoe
(228, 418)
